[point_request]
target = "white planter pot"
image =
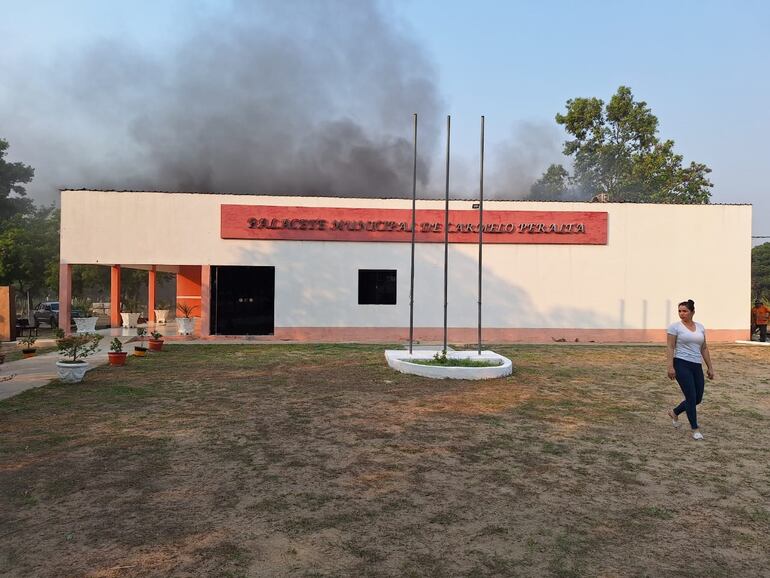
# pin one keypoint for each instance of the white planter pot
(160, 315)
(184, 325)
(129, 319)
(86, 324)
(71, 372)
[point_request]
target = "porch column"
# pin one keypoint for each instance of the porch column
(115, 320)
(151, 293)
(65, 297)
(205, 300)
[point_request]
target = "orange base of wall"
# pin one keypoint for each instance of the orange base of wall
(466, 335)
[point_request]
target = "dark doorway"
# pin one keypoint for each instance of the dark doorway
(243, 300)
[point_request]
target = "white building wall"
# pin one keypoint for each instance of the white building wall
(656, 256)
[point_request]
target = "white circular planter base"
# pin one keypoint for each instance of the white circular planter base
(398, 359)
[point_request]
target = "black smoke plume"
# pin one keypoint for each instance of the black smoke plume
(289, 97)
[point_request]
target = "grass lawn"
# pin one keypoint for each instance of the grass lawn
(284, 460)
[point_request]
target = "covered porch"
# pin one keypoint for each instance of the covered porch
(192, 289)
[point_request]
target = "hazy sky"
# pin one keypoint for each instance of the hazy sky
(316, 96)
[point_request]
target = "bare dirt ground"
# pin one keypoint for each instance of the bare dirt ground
(283, 460)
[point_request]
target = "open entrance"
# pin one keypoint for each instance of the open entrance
(243, 300)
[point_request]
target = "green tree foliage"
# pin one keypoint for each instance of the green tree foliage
(13, 199)
(760, 272)
(93, 281)
(616, 151)
(29, 250)
(29, 237)
(133, 283)
(554, 185)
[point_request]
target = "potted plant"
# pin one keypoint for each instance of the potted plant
(116, 354)
(156, 341)
(129, 313)
(28, 341)
(140, 350)
(161, 313)
(75, 348)
(83, 315)
(186, 323)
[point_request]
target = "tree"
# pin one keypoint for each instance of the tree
(616, 151)
(12, 176)
(29, 250)
(552, 186)
(760, 272)
(22, 244)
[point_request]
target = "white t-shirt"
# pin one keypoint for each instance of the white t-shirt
(688, 343)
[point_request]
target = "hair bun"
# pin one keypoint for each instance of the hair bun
(691, 302)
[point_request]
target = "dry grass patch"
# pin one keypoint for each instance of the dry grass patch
(279, 460)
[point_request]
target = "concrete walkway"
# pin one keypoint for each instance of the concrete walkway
(41, 369)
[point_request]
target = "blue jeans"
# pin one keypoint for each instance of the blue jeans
(689, 375)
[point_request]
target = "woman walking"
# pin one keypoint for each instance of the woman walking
(687, 350)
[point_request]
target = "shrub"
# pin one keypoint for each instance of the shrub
(78, 346)
(84, 306)
(458, 362)
(116, 345)
(130, 306)
(441, 359)
(28, 341)
(186, 310)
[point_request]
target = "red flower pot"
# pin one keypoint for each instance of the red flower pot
(156, 344)
(117, 358)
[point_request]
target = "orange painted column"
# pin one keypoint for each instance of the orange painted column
(188, 286)
(8, 307)
(205, 300)
(151, 294)
(115, 320)
(65, 297)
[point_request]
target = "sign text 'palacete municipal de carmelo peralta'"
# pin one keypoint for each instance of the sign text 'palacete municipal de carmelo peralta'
(395, 225)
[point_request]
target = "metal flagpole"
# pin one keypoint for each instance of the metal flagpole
(446, 231)
(414, 210)
(481, 222)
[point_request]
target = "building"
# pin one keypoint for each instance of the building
(338, 269)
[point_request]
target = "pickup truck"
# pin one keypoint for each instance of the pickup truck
(48, 312)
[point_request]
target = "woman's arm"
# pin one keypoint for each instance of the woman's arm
(704, 350)
(670, 347)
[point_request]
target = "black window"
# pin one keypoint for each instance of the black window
(376, 286)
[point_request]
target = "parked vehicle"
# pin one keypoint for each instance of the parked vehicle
(48, 312)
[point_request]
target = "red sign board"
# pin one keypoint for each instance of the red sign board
(395, 225)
